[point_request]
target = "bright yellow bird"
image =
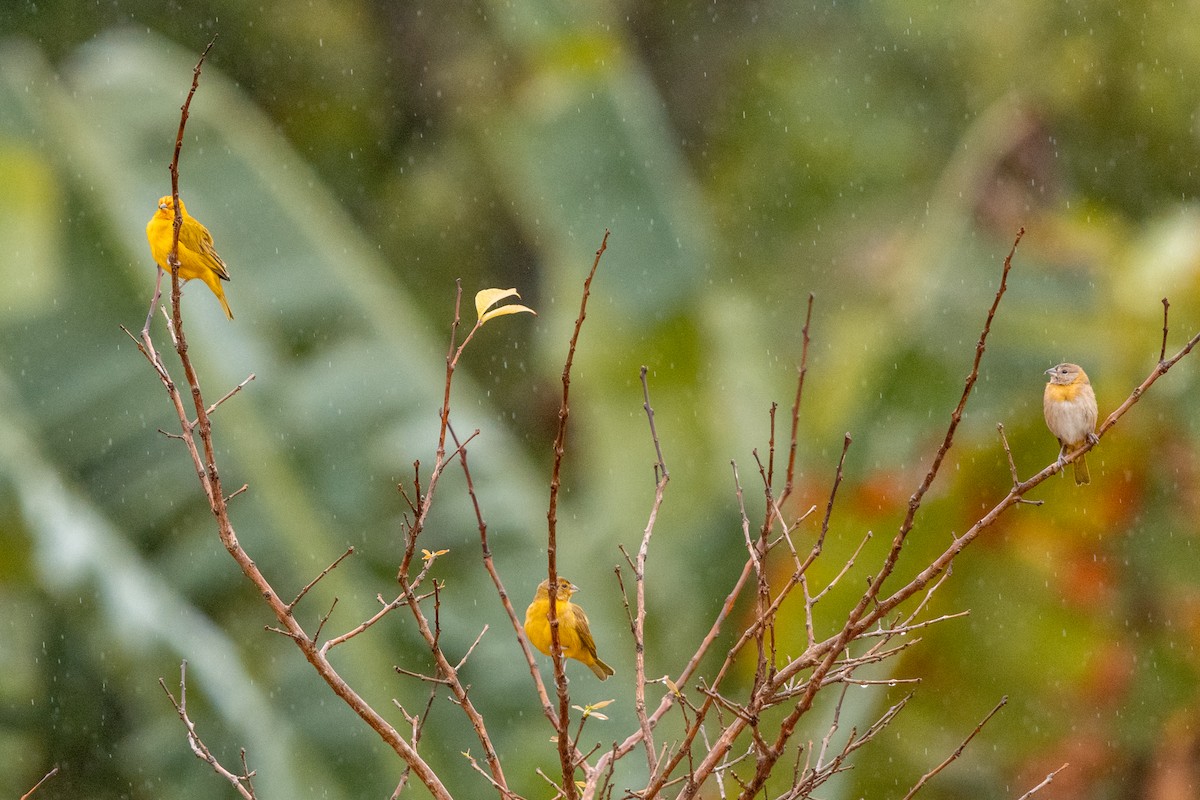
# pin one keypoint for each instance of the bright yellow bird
(574, 633)
(197, 257)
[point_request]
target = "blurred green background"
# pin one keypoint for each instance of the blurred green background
(353, 159)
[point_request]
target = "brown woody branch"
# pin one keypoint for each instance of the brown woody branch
(565, 754)
(209, 477)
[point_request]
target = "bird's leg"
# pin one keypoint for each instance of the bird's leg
(1093, 439)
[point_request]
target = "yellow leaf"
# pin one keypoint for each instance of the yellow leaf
(428, 556)
(671, 685)
(486, 298)
(590, 709)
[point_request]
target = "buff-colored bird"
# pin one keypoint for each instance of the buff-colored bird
(574, 633)
(197, 256)
(1070, 408)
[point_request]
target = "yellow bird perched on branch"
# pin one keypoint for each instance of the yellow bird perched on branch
(574, 633)
(197, 256)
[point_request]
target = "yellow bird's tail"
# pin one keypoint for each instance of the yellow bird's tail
(213, 280)
(601, 669)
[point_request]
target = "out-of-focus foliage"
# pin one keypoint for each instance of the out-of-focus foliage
(353, 159)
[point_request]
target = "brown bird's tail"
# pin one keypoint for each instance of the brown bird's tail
(1081, 471)
(601, 669)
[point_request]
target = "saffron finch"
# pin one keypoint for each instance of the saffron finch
(1070, 408)
(574, 633)
(197, 256)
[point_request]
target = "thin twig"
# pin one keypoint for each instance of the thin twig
(490, 565)
(324, 618)
(45, 778)
(387, 608)
(833, 726)
(803, 371)
(324, 572)
(462, 661)
(501, 788)
(639, 574)
(239, 782)
(660, 464)
(1045, 782)
(231, 393)
(1162, 353)
(565, 758)
(958, 752)
(422, 676)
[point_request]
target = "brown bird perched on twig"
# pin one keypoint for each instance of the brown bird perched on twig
(1070, 408)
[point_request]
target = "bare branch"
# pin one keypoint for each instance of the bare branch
(387, 608)
(1044, 783)
(803, 371)
(239, 782)
(958, 752)
(231, 393)
(470, 649)
(565, 757)
(422, 677)
(205, 467)
(639, 574)
(324, 572)
(501, 788)
(1162, 353)
(45, 778)
(324, 618)
(490, 565)
(660, 464)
